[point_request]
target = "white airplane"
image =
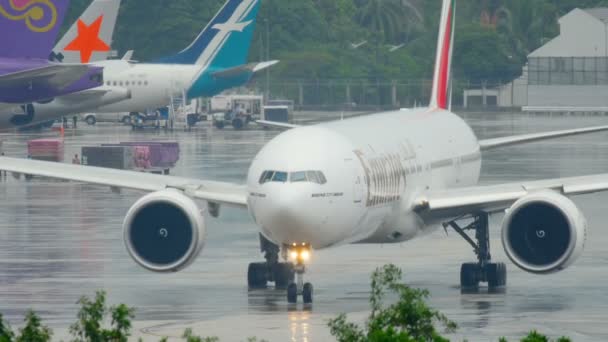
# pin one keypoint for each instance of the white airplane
(83, 42)
(393, 48)
(355, 46)
(215, 61)
(383, 178)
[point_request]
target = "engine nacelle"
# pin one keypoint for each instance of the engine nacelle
(164, 231)
(544, 232)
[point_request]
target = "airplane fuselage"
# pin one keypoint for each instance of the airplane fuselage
(371, 167)
(151, 85)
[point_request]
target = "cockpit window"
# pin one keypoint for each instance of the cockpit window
(294, 177)
(280, 177)
(308, 176)
(321, 176)
(297, 177)
(313, 177)
(266, 177)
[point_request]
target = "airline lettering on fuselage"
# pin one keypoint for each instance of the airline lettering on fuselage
(385, 175)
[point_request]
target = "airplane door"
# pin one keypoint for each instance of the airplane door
(358, 183)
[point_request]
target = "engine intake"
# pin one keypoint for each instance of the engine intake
(544, 232)
(164, 231)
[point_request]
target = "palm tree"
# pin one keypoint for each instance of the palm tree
(389, 19)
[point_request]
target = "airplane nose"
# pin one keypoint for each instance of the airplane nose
(287, 217)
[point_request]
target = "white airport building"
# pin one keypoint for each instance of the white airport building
(567, 74)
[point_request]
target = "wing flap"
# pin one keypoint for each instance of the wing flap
(490, 144)
(217, 192)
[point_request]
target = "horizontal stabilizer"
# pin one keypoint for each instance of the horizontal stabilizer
(243, 70)
(117, 93)
(490, 144)
(274, 124)
(58, 76)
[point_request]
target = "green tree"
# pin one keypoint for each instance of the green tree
(388, 20)
(91, 316)
(34, 331)
(6, 334)
(409, 319)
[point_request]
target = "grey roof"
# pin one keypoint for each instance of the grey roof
(601, 13)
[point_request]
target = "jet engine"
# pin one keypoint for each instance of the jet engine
(544, 232)
(164, 231)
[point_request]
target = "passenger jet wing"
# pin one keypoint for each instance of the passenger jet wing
(527, 138)
(456, 202)
(214, 192)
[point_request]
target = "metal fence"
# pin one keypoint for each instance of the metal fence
(338, 94)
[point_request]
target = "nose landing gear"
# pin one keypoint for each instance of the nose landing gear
(300, 254)
(285, 275)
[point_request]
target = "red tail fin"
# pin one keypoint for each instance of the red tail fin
(443, 62)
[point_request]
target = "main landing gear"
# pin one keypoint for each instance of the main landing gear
(482, 271)
(285, 275)
(260, 274)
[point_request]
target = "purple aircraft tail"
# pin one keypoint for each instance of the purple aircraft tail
(29, 28)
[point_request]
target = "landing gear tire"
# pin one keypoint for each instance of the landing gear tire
(497, 277)
(91, 120)
(283, 275)
(469, 279)
(256, 275)
(307, 292)
(292, 293)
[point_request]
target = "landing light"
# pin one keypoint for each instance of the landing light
(299, 253)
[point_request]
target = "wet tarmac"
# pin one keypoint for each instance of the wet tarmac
(61, 240)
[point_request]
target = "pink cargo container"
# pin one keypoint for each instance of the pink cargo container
(46, 149)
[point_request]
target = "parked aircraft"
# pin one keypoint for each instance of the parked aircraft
(84, 41)
(26, 74)
(214, 62)
(383, 178)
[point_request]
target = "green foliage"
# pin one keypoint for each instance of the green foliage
(34, 331)
(409, 319)
(190, 337)
(535, 336)
(312, 37)
(91, 317)
(6, 334)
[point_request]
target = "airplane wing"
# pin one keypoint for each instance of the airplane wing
(490, 144)
(495, 198)
(246, 69)
(214, 192)
(58, 76)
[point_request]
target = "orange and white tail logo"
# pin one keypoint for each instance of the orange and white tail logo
(443, 62)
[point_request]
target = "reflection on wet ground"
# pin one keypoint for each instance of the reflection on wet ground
(61, 240)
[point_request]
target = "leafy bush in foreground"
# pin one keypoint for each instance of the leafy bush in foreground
(409, 319)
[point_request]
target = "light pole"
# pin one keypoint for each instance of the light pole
(267, 59)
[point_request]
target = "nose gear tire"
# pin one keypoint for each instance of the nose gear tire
(307, 292)
(292, 293)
